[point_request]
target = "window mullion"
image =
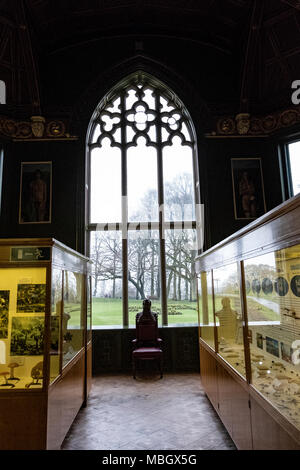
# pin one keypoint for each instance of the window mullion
(160, 186)
(124, 213)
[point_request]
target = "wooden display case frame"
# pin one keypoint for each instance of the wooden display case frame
(39, 419)
(262, 426)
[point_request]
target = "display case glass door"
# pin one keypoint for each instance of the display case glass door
(228, 315)
(205, 308)
(273, 309)
(22, 327)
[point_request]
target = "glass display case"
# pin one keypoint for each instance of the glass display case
(272, 292)
(205, 308)
(45, 314)
(228, 316)
(273, 309)
(249, 312)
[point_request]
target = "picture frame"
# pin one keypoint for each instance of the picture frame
(286, 352)
(4, 311)
(259, 341)
(35, 205)
(272, 346)
(27, 336)
(31, 298)
(248, 188)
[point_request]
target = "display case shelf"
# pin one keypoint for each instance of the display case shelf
(249, 317)
(45, 341)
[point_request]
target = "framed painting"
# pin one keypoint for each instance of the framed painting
(248, 188)
(35, 193)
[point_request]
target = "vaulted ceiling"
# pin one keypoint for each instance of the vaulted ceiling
(243, 55)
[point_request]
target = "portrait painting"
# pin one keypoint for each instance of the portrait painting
(35, 193)
(248, 188)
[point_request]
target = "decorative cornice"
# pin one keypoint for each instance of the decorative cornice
(259, 125)
(22, 130)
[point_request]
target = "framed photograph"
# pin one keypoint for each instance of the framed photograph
(4, 307)
(27, 336)
(248, 188)
(272, 346)
(259, 341)
(35, 193)
(286, 352)
(31, 298)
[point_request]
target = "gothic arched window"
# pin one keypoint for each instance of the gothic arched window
(143, 191)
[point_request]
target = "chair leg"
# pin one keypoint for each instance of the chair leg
(160, 368)
(134, 367)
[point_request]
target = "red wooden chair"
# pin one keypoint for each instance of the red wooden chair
(147, 346)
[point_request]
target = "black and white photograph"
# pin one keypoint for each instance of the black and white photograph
(286, 352)
(267, 286)
(27, 336)
(4, 311)
(259, 341)
(295, 285)
(281, 286)
(272, 346)
(31, 298)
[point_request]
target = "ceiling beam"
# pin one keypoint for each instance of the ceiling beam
(251, 64)
(281, 60)
(26, 49)
(286, 55)
(292, 3)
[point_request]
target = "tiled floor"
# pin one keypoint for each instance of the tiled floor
(148, 414)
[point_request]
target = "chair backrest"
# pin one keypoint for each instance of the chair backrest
(146, 328)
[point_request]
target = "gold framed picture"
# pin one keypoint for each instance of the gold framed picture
(35, 193)
(248, 188)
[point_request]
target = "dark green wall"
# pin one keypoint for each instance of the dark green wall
(67, 190)
(68, 160)
(79, 79)
(112, 349)
(217, 192)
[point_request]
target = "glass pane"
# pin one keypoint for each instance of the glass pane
(149, 98)
(178, 182)
(273, 292)
(89, 309)
(73, 326)
(105, 190)
(206, 313)
(106, 254)
(228, 316)
(55, 322)
(181, 281)
(113, 107)
(131, 99)
(143, 268)
(166, 107)
(142, 183)
(22, 325)
(2, 92)
(294, 150)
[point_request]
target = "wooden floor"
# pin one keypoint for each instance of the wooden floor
(148, 414)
